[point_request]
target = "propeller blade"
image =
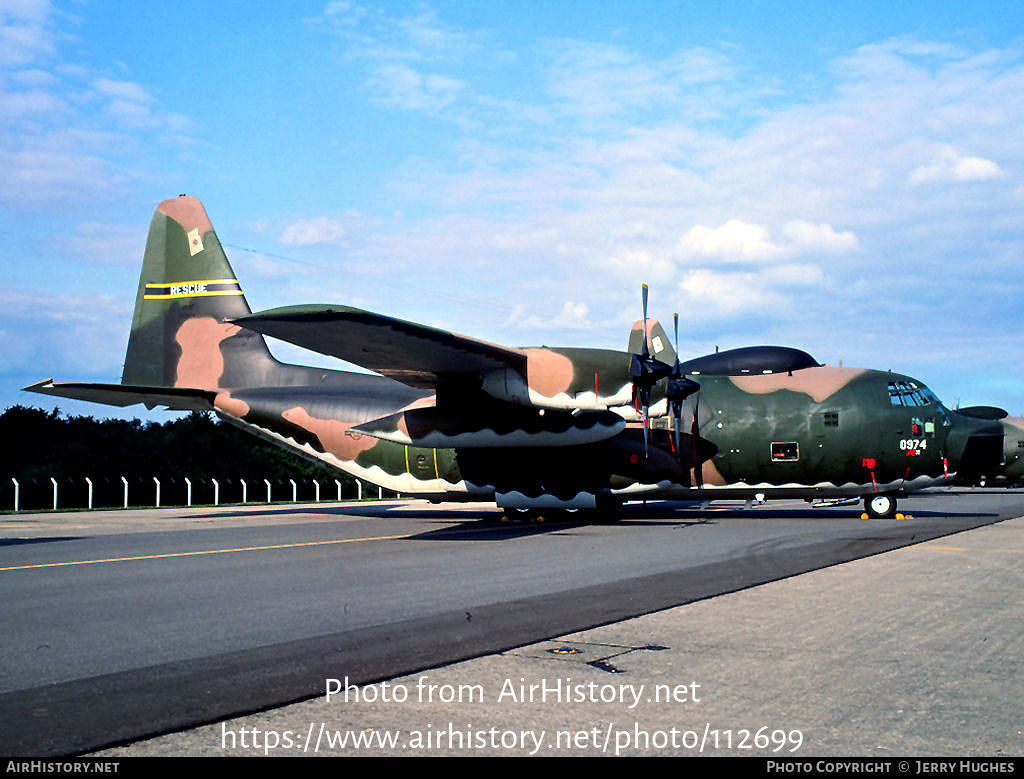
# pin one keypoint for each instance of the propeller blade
(646, 353)
(677, 389)
(695, 434)
(675, 324)
(676, 423)
(646, 418)
(676, 406)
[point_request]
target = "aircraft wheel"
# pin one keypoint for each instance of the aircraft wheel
(880, 506)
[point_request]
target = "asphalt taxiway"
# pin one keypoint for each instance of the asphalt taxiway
(131, 625)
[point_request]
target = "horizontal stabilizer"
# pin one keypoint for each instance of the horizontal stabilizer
(408, 352)
(175, 399)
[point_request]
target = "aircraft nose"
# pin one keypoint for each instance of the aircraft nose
(975, 447)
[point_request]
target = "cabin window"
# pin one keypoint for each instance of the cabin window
(831, 418)
(910, 393)
(785, 451)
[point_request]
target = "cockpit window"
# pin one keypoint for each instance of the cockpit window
(910, 393)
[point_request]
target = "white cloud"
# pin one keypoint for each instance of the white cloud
(734, 241)
(642, 264)
(33, 77)
(952, 166)
(26, 34)
(58, 143)
(122, 90)
(572, 315)
(428, 36)
(31, 104)
(82, 333)
(47, 173)
(741, 191)
(377, 34)
(399, 86)
(790, 275)
(318, 230)
(97, 242)
(818, 237)
(709, 293)
(256, 264)
(600, 79)
(739, 241)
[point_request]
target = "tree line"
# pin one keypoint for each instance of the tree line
(40, 445)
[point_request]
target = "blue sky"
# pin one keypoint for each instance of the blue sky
(840, 177)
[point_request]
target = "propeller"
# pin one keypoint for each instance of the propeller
(678, 389)
(645, 371)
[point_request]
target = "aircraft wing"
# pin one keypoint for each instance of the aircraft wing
(174, 398)
(408, 352)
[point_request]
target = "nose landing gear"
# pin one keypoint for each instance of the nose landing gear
(881, 506)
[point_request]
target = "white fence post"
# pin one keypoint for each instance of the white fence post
(188, 491)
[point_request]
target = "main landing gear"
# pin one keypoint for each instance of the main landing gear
(881, 506)
(606, 511)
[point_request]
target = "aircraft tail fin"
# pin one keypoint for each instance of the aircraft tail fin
(180, 335)
(659, 345)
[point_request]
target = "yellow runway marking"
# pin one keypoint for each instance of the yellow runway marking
(204, 552)
(965, 549)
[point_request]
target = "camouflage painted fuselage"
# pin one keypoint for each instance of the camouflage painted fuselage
(820, 432)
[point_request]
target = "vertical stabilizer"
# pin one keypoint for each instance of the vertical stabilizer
(180, 336)
(658, 344)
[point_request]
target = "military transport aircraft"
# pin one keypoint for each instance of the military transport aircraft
(534, 429)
